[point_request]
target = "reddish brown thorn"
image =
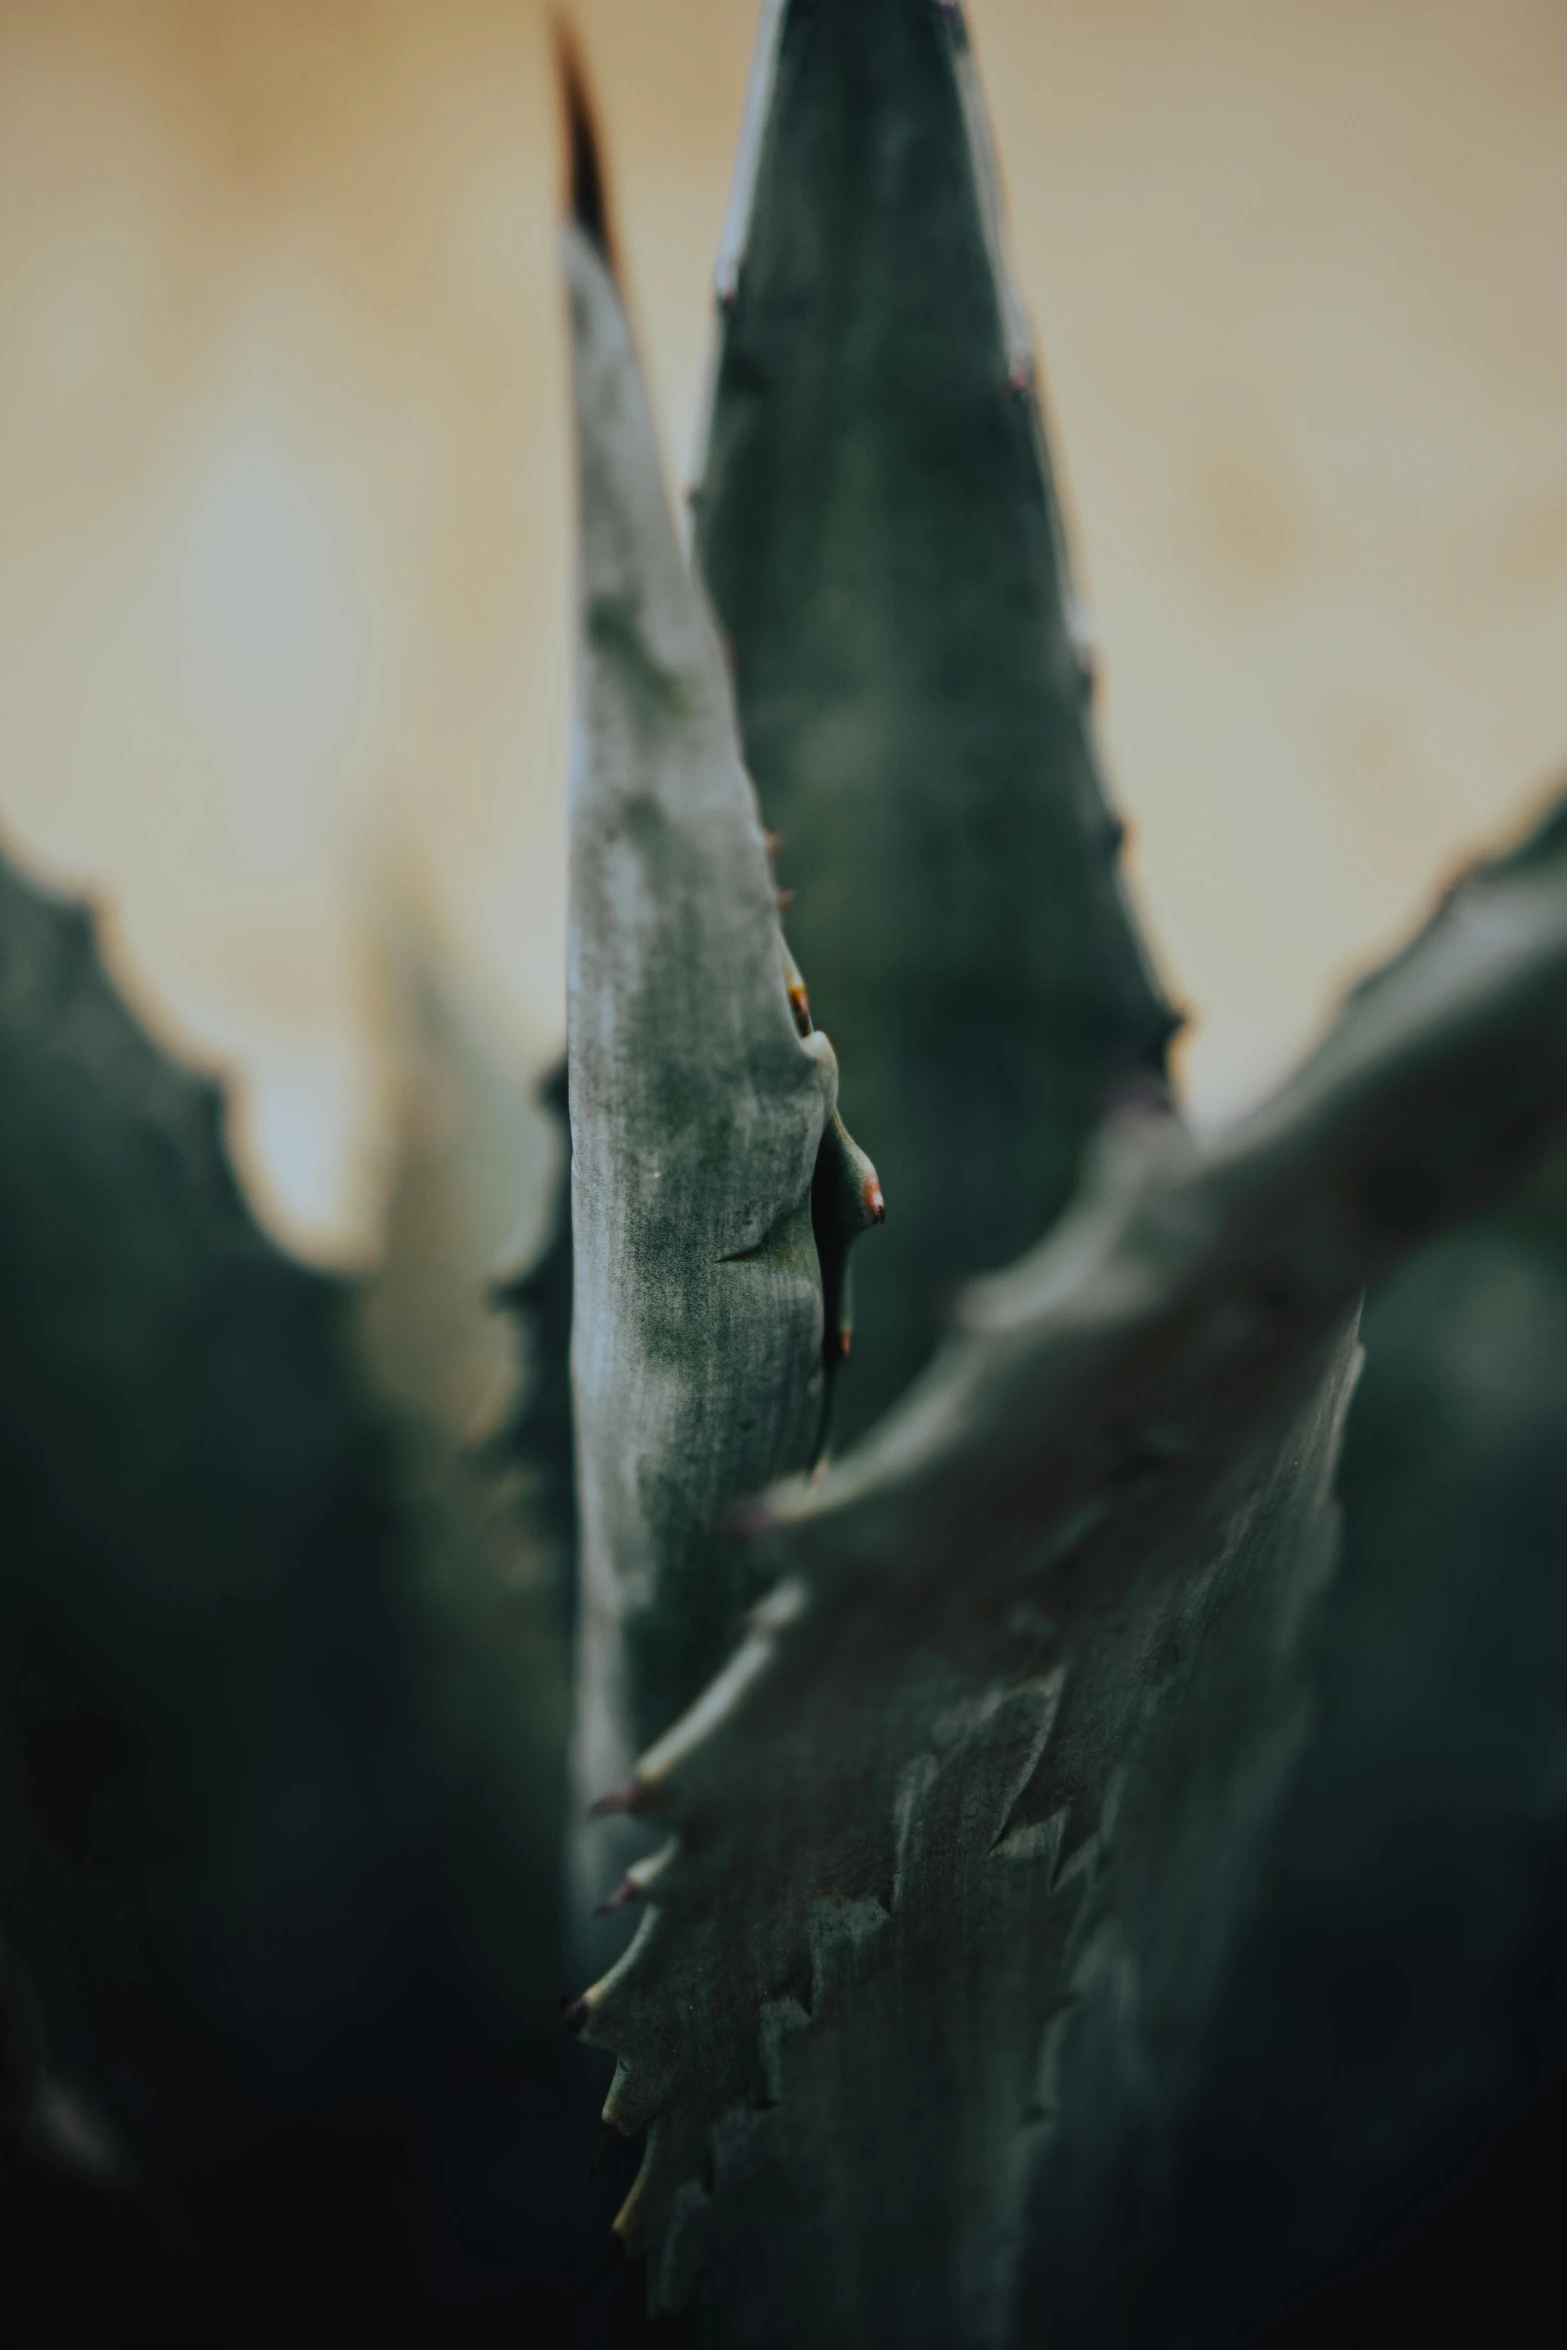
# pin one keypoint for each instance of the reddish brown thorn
(842, 1342)
(772, 842)
(639, 1796)
(1020, 376)
(629, 1889)
(785, 900)
(620, 1799)
(799, 1001)
(574, 2015)
(874, 1204)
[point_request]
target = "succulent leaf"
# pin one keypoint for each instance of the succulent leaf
(877, 525)
(712, 1182)
(277, 1782)
(1394, 2002)
(958, 1835)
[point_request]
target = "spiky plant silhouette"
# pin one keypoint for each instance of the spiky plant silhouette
(1041, 1855)
(944, 1866)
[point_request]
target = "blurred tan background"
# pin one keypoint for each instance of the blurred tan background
(284, 491)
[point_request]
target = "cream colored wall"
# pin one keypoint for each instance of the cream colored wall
(283, 492)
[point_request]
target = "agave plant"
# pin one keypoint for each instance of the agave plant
(973, 1836)
(946, 1861)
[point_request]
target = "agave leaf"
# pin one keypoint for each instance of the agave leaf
(958, 1836)
(878, 528)
(473, 1175)
(1442, 1718)
(713, 1188)
(277, 1838)
(1394, 2008)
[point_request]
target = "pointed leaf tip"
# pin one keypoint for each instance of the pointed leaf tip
(587, 189)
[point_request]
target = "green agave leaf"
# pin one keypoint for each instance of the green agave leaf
(1393, 2008)
(959, 1836)
(878, 528)
(839, 332)
(472, 1177)
(714, 1191)
(278, 1840)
